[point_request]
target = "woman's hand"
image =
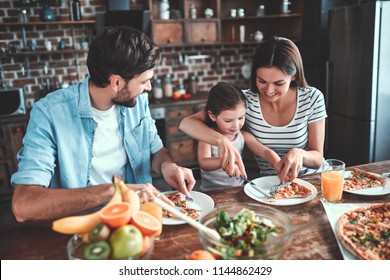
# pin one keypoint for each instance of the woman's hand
(290, 165)
(231, 159)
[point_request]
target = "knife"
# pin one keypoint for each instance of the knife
(256, 188)
(310, 176)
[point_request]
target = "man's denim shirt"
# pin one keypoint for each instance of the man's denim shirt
(57, 149)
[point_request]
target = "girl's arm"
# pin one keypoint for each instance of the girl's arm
(206, 162)
(231, 159)
(261, 150)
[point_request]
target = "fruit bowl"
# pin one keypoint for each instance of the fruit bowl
(244, 240)
(75, 249)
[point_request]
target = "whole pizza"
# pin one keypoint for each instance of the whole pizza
(365, 232)
(360, 179)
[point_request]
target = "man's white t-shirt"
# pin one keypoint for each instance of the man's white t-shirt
(108, 154)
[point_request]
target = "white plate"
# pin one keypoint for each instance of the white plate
(202, 202)
(334, 212)
(265, 184)
(370, 191)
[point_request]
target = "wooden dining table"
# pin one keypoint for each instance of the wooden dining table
(36, 240)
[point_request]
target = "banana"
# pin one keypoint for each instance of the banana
(84, 223)
(130, 196)
(76, 224)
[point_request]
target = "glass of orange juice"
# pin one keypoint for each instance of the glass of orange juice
(332, 180)
(155, 211)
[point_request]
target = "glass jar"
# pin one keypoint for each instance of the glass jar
(193, 85)
(193, 11)
(157, 90)
(260, 11)
(167, 86)
(164, 9)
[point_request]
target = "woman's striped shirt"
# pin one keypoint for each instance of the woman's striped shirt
(281, 139)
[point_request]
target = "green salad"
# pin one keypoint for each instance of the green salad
(245, 234)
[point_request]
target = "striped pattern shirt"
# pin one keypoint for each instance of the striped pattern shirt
(281, 139)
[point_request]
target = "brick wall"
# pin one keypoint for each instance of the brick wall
(35, 71)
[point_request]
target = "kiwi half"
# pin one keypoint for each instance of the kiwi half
(99, 250)
(100, 232)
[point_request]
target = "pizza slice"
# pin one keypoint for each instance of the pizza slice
(360, 179)
(365, 232)
(178, 200)
(192, 213)
(293, 190)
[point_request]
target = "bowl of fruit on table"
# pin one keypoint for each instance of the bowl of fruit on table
(123, 229)
(103, 242)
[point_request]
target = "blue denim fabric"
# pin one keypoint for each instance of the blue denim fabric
(57, 149)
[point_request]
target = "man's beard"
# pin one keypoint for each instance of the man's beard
(127, 103)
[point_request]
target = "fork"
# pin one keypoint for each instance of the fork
(189, 202)
(384, 175)
(275, 188)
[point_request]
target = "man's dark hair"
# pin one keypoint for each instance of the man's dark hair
(123, 51)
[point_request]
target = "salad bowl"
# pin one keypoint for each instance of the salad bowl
(248, 231)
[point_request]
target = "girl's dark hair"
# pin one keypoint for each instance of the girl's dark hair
(223, 96)
(281, 53)
(123, 51)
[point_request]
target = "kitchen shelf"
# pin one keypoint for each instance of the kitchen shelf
(25, 29)
(266, 17)
(33, 23)
(33, 53)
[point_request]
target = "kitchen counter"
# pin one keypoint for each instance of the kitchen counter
(197, 98)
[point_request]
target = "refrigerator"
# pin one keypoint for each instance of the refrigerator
(358, 83)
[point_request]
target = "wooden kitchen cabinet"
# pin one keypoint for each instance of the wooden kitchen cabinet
(202, 31)
(168, 32)
(181, 28)
(12, 130)
(182, 148)
(222, 27)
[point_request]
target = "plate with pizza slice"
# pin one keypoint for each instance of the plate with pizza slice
(201, 205)
(361, 182)
(297, 192)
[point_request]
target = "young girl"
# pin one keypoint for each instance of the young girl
(225, 108)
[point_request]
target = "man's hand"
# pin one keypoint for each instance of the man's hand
(180, 178)
(147, 192)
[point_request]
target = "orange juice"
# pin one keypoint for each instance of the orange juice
(154, 210)
(332, 185)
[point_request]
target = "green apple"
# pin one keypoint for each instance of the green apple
(126, 242)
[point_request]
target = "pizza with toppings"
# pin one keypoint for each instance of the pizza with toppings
(178, 200)
(293, 190)
(360, 179)
(192, 213)
(365, 232)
